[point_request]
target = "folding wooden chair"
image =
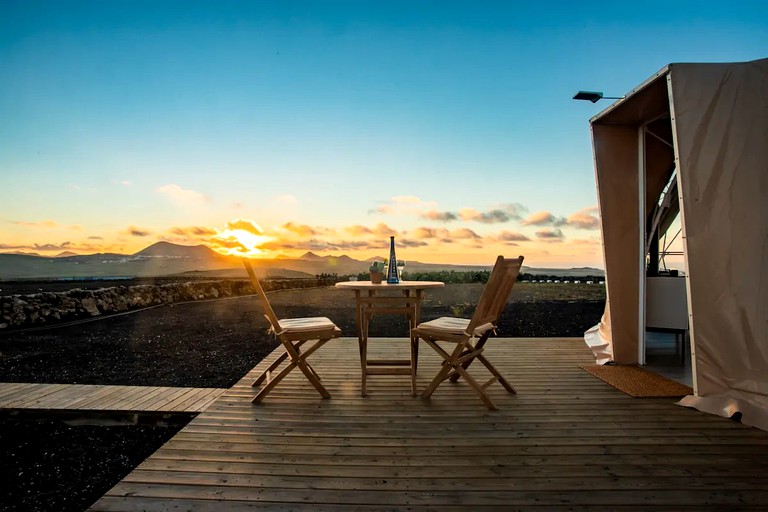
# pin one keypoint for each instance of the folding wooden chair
(293, 334)
(462, 331)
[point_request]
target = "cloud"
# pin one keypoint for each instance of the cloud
(126, 183)
(439, 216)
(183, 196)
(358, 230)
(407, 200)
(303, 229)
(314, 244)
(404, 242)
(543, 219)
(550, 234)
(503, 213)
(227, 243)
(509, 236)
(38, 224)
(423, 233)
(464, 233)
(95, 238)
(585, 219)
(404, 205)
(497, 215)
(192, 231)
(53, 247)
(49, 247)
(245, 225)
(134, 231)
(382, 229)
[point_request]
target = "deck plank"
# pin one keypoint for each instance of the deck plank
(566, 441)
(83, 397)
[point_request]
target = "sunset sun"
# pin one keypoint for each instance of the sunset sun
(241, 238)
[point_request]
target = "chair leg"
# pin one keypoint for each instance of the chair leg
(277, 362)
(445, 368)
(297, 359)
(414, 363)
(440, 377)
(480, 344)
(313, 379)
(496, 374)
(272, 367)
(269, 386)
(477, 387)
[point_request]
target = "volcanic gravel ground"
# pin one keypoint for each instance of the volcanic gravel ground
(47, 465)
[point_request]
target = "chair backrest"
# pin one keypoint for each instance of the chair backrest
(496, 292)
(269, 312)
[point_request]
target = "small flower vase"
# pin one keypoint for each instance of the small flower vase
(377, 277)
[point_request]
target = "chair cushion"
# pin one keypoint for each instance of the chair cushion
(317, 323)
(451, 325)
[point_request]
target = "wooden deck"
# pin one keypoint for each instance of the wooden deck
(567, 441)
(81, 397)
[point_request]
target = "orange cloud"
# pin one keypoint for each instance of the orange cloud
(134, 231)
(245, 225)
(358, 230)
(464, 233)
(304, 230)
(425, 232)
(192, 231)
(543, 219)
(554, 234)
(382, 229)
(585, 219)
(509, 236)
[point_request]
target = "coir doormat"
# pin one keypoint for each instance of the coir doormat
(637, 382)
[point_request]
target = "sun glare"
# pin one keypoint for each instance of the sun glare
(235, 241)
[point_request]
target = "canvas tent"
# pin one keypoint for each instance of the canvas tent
(700, 132)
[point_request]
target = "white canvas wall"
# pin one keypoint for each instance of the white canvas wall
(719, 116)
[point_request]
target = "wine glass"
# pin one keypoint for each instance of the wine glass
(400, 269)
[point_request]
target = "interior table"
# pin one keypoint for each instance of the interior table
(401, 298)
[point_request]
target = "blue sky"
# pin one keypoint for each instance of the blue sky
(328, 124)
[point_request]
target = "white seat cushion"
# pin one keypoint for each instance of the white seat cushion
(451, 325)
(317, 323)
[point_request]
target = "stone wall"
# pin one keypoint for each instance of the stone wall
(46, 308)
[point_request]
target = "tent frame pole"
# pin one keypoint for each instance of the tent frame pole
(691, 333)
(641, 186)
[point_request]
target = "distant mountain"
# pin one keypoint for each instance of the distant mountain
(22, 253)
(311, 256)
(165, 258)
(170, 250)
(65, 254)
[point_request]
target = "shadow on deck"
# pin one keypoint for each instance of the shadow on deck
(566, 441)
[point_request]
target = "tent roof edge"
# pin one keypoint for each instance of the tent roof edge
(646, 83)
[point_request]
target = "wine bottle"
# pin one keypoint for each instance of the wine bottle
(392, 266)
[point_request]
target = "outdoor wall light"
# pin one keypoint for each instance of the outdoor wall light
(594, 97)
